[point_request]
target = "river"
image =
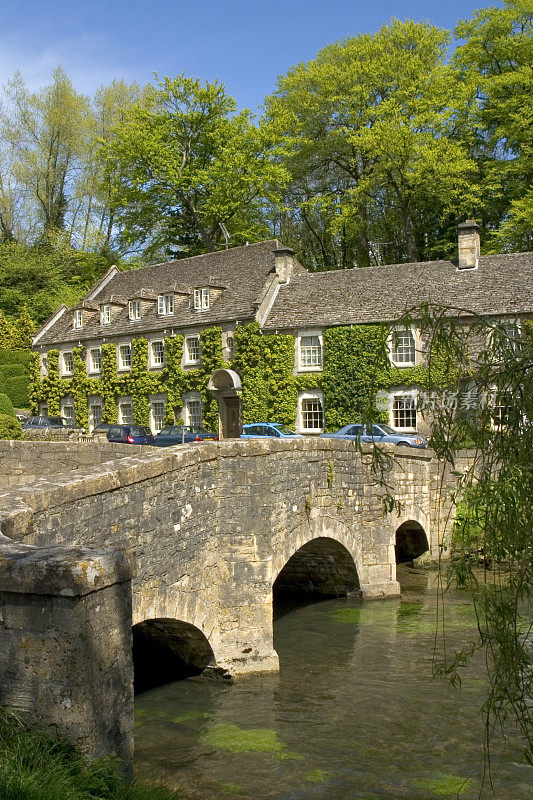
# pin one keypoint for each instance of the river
(354, 713)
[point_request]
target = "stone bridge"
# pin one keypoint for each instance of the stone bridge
(190, 546)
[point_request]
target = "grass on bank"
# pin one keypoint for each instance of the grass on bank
(35, 765)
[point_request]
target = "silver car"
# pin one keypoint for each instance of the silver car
(377, 433)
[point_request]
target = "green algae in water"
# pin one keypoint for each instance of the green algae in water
(232, 788)
(241, 740)
(443, 785)
(407, 618)
(316, 775)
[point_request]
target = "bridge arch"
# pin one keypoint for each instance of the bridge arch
(166, 650)
(410, 541)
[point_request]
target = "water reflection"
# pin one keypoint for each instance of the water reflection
(353, 713)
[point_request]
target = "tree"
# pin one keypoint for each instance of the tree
(496, 59)
(23, 330)
(494, 412)
(184, 162)
(6, 333)
(48, 133)
(370, 131)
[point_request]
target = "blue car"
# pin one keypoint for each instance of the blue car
(268, 430)
(130, 434)
(377, 433)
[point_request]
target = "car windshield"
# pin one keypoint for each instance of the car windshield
(60, 421)
(285, 430)
(388, 429)
(136, 430)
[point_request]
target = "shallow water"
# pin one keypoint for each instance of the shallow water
(354, 713)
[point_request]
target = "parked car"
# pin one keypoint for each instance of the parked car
(377, 433)
(22, 418)
(50, 424)
(101, 429)
(267, 430)
(130, 434)
(183, 434)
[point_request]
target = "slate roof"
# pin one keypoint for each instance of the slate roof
(243, 272)
(500, 285)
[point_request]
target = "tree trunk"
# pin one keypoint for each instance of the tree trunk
(409, 230)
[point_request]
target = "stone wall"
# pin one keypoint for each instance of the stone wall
(65, 643)
(25, 462)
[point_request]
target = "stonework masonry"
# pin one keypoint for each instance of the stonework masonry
(211, 528)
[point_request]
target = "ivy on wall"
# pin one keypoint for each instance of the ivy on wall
(356, 366)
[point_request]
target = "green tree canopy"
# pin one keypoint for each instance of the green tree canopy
(183, 162)
(372, 130)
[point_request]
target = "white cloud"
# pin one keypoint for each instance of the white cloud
(87, 60)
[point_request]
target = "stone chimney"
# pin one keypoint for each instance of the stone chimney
(284, 263)
(469, 247)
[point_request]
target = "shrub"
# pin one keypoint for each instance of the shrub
(18, 390)
(6, 406)
(10, 427)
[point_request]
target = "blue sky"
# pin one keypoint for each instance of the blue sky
(245, 44)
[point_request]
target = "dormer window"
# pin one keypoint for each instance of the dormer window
(134, 309)
(105, 314)
(201, 299)
(165, 305)
(78, 318)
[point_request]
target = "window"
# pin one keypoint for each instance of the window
(105, 314)
(78, 318)
(95, 414)
(158, 354)
(43, 410)
(505, 340)
(44, 366)
(192, 350)
(157, 412)
(165, 305)
(311, 413)
(67, 411)
(230, 344)
(95, 359)
(68, 363)
(124, 356)
(134, 309)
(193, 411)
(310, 352)
(404, 412)
(125, 412)
(201, 299)
(403, 347)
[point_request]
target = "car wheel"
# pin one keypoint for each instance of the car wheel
(403, 444)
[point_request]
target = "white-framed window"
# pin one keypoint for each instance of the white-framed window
(403, 411)
(193, 409)
(78, 318)
(158, 353)
(504, 339)
(125, 411)
(403, 347)
(44, 366)
(68, 362)
(201, 299)
(310, 351)
(105, 314)
(95, 359)
(67, 409)
(192, 351)
(124, 356)
(43, 410)
(134, 309)
(157, 414)
(95, 412)
(230, 344)
(165, 304)
(311, 412)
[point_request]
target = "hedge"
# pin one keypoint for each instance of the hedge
(10, 427)
(6, 406)
(15, 376)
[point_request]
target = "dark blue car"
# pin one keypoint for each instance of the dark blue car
(377, 433)
(130, 434)
(183, 434)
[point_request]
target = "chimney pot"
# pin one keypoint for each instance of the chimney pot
(284, 263)
(469, 244)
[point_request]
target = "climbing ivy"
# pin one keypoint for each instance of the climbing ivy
(356, 366)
